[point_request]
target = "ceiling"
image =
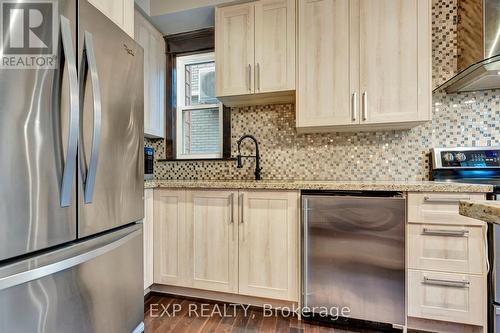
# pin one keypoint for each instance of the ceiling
(174, 16)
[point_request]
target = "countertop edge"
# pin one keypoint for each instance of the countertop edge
(318, 185)
(484, 210)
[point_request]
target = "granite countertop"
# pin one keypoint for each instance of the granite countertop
(413, 186)
(484, 210)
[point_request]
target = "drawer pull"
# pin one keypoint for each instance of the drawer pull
(444, 199)
(449, 233)
(447, 283)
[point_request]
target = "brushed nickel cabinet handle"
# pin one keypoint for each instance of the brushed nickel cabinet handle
(354, 106)
(257, 75)
(242, 205)
(449, 233)
(444, 199)
(446, 283)
(231, 203)
(365, 106)
(249, 77)
(231, 199)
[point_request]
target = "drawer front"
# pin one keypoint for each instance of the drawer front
(458, 249)
(455, 298)
(441, 208)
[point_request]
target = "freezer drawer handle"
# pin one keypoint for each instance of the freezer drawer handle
(40, 272)
(449, 233)
(89, 64)
(446, 283)
(68, 55)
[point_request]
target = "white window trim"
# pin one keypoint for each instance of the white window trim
(181, 62)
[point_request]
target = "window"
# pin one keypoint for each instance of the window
(199, 113)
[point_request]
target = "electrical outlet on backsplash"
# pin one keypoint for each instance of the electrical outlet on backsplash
(466, 119)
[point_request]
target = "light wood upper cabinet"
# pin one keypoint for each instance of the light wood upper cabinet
(324, 73)
(212, 240)
(363, 64)
(395, 60)
(121, 12)
(274, 45)
(255, 52)
(268, 244)
(148, 235)
(234, 50)
(170, 263)
(153, 44)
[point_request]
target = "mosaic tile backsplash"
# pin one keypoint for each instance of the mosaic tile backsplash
(467, 119)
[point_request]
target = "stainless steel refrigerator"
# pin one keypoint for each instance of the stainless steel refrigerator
(71, 182)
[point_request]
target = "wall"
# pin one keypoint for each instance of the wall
(145, 5)
(469, 119)
(160, 7)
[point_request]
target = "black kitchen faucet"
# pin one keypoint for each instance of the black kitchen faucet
(239, 163)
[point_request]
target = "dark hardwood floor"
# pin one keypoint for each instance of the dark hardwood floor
(195, 316)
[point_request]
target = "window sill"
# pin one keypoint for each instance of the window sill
(196, 159)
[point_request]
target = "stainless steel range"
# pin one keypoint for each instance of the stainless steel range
(477, 165)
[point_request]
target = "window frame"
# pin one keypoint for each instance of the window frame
(181, 62)
(177, 45)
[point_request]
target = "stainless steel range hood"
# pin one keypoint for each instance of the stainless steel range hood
(478, 34)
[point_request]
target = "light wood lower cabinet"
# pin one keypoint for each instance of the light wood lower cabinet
(268, 245)
(447, 297)
(148, 234)
(241, 242)
(212, 244)
(170, 264)
(447, 268)
(447, 248)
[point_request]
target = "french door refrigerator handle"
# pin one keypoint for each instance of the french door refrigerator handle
(61, 265)
(89, 58)
(74, 114)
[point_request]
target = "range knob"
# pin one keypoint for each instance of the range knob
(460, 157)
(448, 157)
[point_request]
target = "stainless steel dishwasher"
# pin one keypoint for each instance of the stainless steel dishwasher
(354, 255)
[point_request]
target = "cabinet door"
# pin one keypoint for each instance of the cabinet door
(274, 45)
(156, 94)
(234, 50)
(148, 235)
(268, 244)
(212, 240)
(395, 58)
(160, 87)
(457, 298)
(170, 264)
(121, 12)
(446, 248)
(325, 86)
(128, 17)
(152, 42)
